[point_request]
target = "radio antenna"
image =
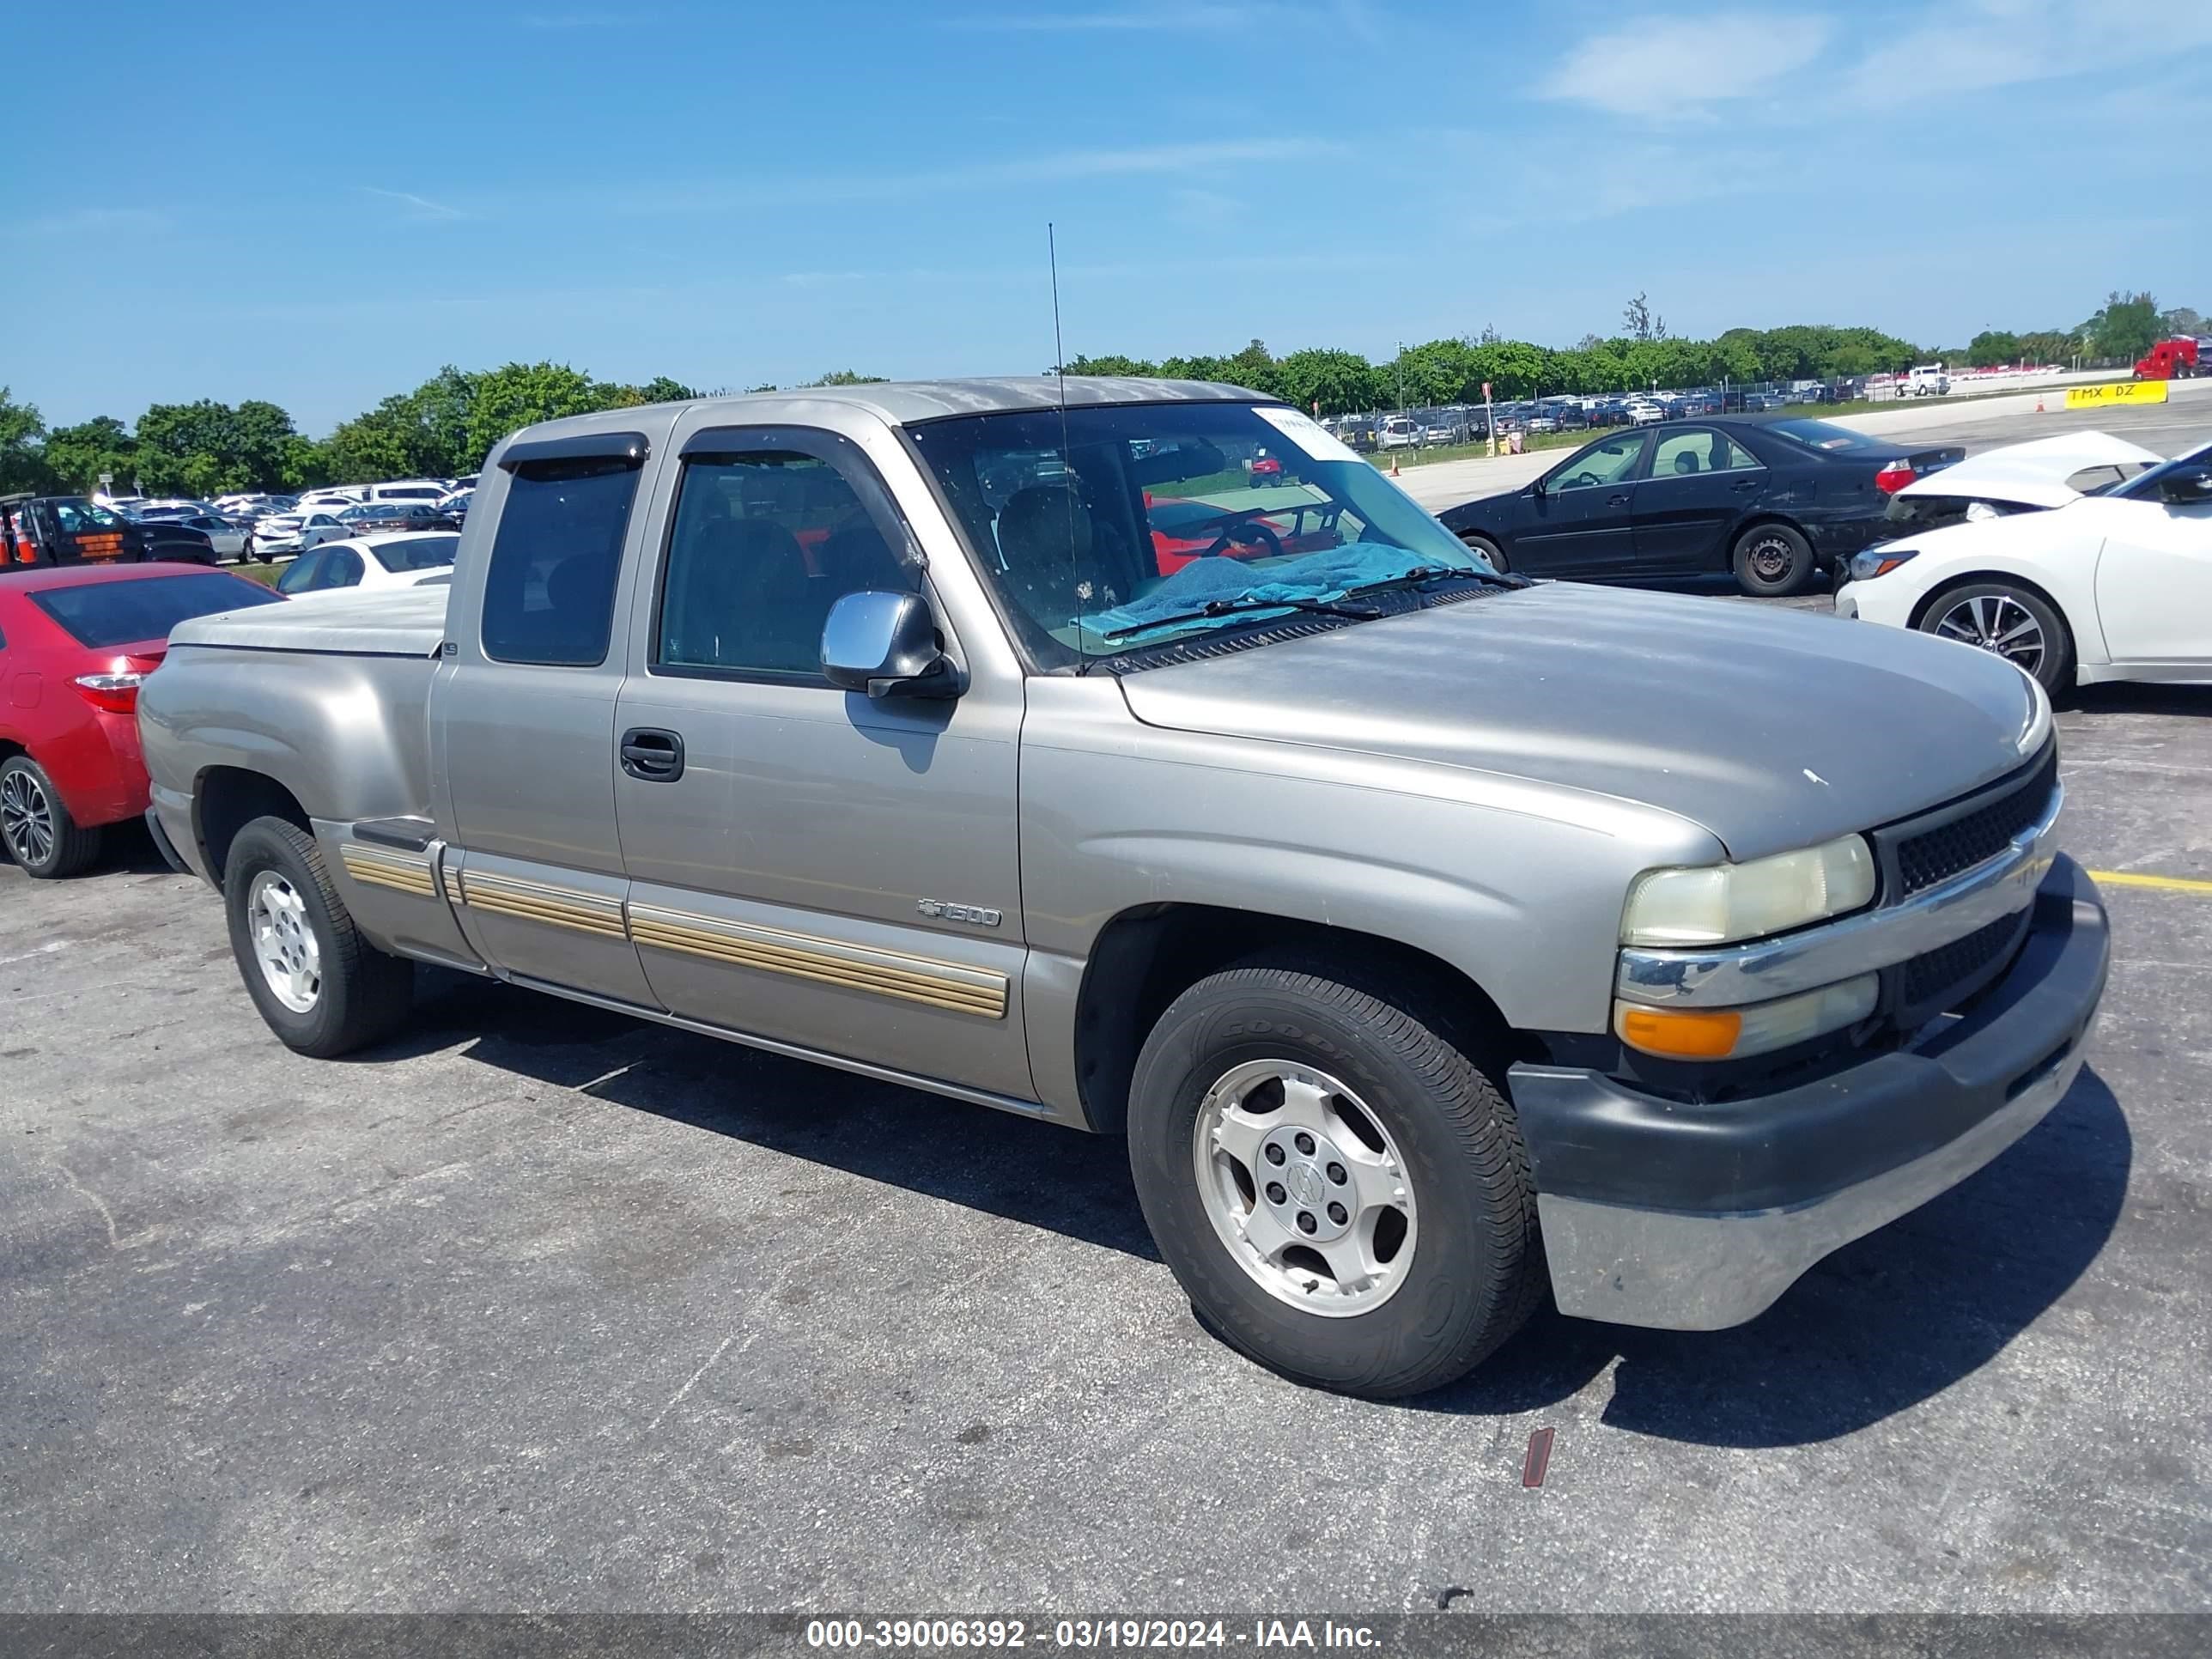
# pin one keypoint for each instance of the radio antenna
(1067, 467)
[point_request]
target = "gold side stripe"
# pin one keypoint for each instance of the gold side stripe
(378, 868)
(539, 901)
(582, 921)
(948, 985)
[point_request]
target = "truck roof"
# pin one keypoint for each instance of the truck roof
(905, 403)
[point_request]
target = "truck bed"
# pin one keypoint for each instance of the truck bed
(408, 623)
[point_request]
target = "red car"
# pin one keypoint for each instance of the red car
(75, 642)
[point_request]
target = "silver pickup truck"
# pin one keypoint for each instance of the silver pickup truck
(1435, 939)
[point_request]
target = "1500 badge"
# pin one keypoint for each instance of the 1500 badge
(937, 909)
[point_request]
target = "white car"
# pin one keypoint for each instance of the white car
(371, 561)
(295, 533)
(2026, 478)
(1641, 411)
(2114, 585)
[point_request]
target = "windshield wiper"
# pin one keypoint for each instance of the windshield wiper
(1429, 572)
(1233, 607)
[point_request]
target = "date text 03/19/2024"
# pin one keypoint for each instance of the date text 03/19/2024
(1083, 1634)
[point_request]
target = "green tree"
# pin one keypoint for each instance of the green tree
(2126, 328)
(1111, 364)
(78, 454)
(1992, 347)
(1639, 322)
(846, 377)
(517, 395)
(384, 442)
(1341, 382)
(2182, 319)
(22, 457)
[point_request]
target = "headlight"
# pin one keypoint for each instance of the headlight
(1758, 1029)
(1724, 902)
(1879, 562)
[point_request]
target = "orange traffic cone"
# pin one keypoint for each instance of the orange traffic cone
(1393, 466)
(2039, 403)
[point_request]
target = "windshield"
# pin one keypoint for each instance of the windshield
(1822, 435)
(2144, 486)
(1153, 511)
(99, 615)
(416, 553)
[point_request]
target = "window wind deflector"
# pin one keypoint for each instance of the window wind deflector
(629, 448)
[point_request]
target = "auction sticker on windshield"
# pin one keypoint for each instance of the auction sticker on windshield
(1309, 435)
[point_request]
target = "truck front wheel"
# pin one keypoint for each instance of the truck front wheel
(323, 989)
(1341, 1191)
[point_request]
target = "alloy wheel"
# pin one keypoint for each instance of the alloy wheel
(284, 942)
(26, 818)
(1305, 1187)
(2000, 624)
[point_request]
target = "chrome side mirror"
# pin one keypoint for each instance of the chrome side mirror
(884, 645)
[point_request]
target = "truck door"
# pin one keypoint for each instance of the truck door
(522, 714)
(810, 866)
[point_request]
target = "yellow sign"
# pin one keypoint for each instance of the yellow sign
(2119, 392)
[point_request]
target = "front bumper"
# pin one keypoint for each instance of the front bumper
(1684, 1216)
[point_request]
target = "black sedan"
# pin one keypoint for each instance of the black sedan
(377, 517)
(1777, 502)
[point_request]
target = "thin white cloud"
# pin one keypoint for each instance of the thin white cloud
(423, 207)
(1115, 20)
(1062, 167)
(1973, 45)
(1660, 65)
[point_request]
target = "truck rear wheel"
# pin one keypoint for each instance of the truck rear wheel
(325, 990)
(1339, 1190)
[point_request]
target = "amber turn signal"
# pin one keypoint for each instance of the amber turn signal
(1681, 1033)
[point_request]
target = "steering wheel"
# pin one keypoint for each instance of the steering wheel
(1246, 532)
(1580, 481)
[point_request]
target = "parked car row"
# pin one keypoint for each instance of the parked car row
(247, 526)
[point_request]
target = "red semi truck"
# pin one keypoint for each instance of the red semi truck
(2175, 360)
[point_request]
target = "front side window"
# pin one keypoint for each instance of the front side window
(550, 588)
(76, 517)
(1606, 463)
(1138, 524)
(302, 574)
(343, 569)
(1700, 450)
(765, 542)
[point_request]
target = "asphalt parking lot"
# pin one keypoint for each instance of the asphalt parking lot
(543, 1308)
(540, 1308)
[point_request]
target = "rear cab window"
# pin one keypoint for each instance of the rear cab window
(557, 556)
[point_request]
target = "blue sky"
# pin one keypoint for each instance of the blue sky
(320, 205)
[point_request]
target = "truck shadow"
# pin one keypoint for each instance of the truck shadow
(1881, 1325)
(1886, 1323)
(1037, 1174)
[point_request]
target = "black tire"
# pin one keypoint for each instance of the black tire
(46, 843)
(2053, 671)
(1477, 1271)
(1489, 550)
(1773, 561)
(364, 995)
